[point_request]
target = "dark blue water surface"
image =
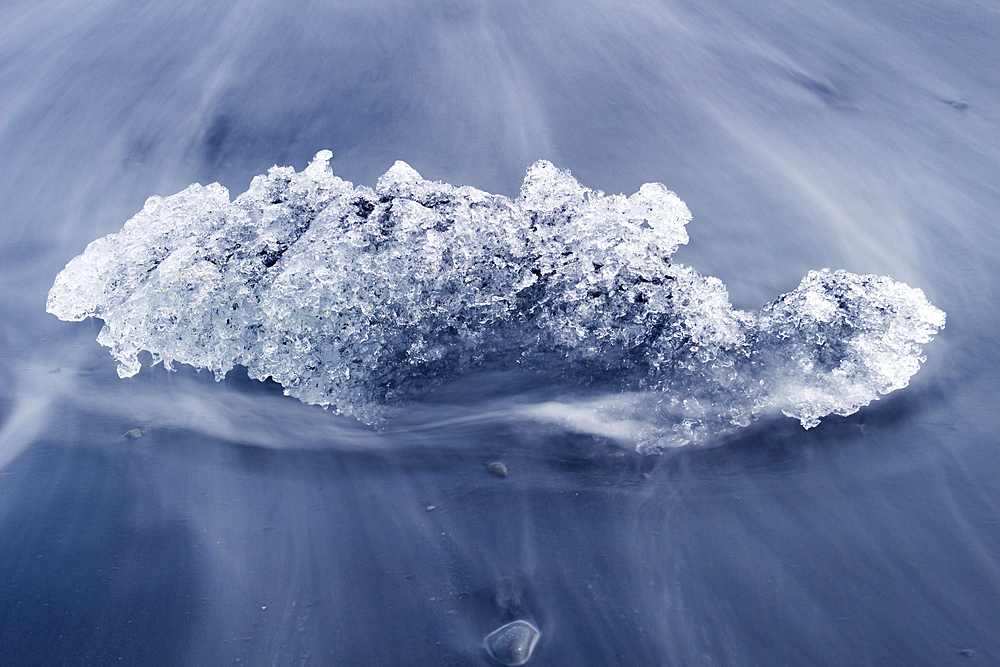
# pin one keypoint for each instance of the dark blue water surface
(246, 528)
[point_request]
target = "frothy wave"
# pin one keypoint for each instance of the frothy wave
(364, 299)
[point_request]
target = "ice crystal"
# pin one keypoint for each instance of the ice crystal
(359, 299)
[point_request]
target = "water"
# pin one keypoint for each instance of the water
(245, 526)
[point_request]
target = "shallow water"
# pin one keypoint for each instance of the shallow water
(244, 527)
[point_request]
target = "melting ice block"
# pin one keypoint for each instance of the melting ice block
(359, 299)
(513, 643)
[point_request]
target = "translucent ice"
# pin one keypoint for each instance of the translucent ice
(512, 644)
(360, 299)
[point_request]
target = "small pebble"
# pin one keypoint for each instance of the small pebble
(498, 469)
(512, 644)
(133, 433)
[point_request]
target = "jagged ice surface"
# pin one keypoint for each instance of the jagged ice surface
(360, 299)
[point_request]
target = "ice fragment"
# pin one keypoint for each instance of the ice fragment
(512, 644)
(360, 299)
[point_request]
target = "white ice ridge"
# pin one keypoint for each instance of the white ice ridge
(359, 299)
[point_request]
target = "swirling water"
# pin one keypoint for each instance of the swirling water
(245, 527)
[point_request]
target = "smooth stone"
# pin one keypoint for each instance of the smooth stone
(498, 469)
(512, 644)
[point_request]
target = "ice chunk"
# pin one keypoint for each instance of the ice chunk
(512, 644)
(838, 341)
(359, 299)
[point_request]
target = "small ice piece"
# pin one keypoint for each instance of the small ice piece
(133, 433)
(512, 644)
